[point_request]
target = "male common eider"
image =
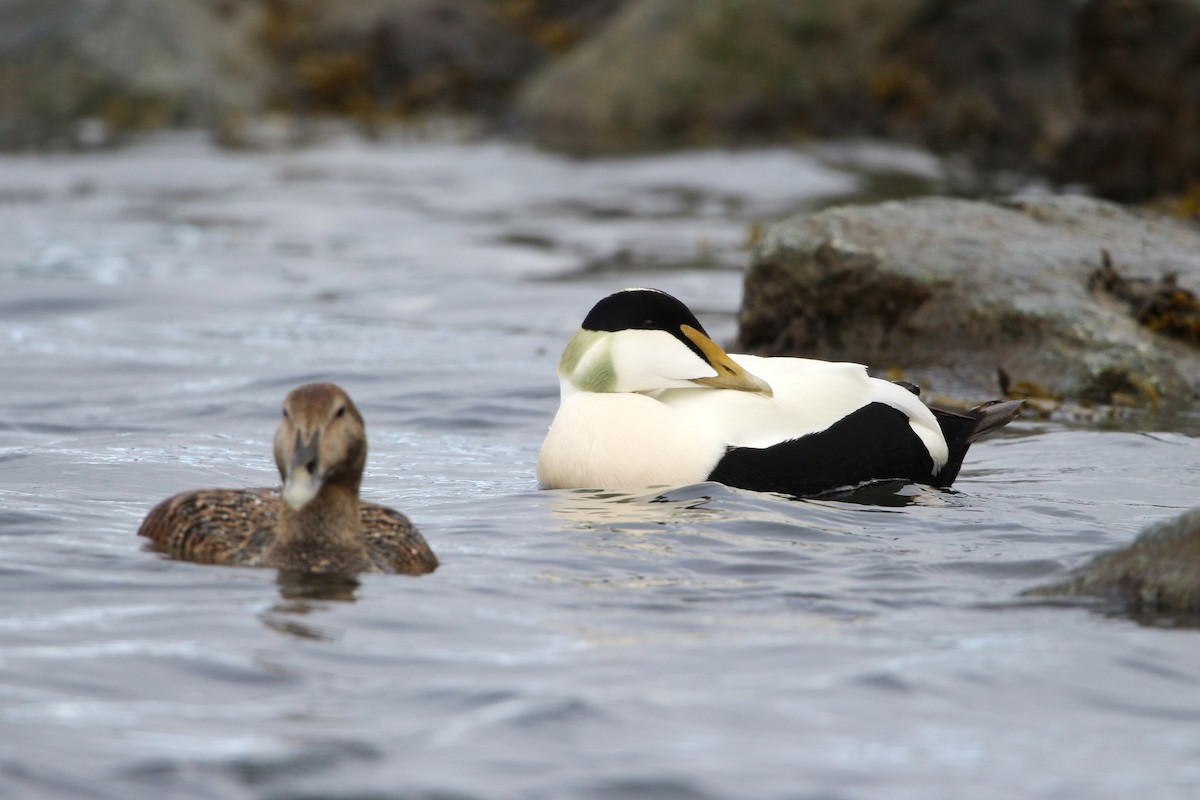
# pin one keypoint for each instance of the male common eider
(648, 399)
(316, 523)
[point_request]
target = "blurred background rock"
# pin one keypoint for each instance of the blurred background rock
(1104, 93)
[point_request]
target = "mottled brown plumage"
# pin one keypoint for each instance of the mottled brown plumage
(316, 523)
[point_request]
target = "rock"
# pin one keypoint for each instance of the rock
(83, 73)
(1101, 92)
(992, 79)
(1161, 304)
(666, 73)
(380, 59)
(1159, 573)
(1138, 72)
(989, 77)
(951, 290)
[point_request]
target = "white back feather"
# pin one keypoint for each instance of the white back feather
(809, 396)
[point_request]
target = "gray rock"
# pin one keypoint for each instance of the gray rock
(993, 79)
(951, 290)
(380, 59)
(665, 73)
(1101, 92)
(1138, 73)
(1158, 573)
(82, 72)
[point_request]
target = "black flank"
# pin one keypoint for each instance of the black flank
(873, 443)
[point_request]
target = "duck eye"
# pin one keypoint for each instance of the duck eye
(285, 414)
(341, 412)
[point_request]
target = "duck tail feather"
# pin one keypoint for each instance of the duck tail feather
(992, 416)
(962, 429)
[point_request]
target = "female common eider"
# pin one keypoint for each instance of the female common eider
(316, 523)
(648, 399)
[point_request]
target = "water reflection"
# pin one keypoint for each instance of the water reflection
(712, 502)
(588, 508)
(302, 594)
(301, 586)
(889, 494)
(292, 627)
(703, 535)
(1107, 607)
(1186, 622)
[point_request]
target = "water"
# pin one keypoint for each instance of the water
(159, 302)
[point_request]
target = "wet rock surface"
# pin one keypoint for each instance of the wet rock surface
(951, 291)
(1159, 573)
(1161, 305)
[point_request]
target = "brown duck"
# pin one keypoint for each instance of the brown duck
(316, 523)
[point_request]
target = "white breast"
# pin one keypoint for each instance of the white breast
(625, 441)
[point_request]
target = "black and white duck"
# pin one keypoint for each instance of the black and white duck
(649, 399)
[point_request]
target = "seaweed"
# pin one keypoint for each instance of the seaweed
(1158, 304)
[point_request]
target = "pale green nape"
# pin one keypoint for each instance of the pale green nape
(598, 374)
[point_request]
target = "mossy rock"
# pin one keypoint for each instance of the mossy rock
(952, 291)
(1159, 573)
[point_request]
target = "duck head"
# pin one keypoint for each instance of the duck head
(645, 340)
(321, 441)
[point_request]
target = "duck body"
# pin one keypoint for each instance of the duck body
(315, 523)
(649, 400)
(237, 527)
